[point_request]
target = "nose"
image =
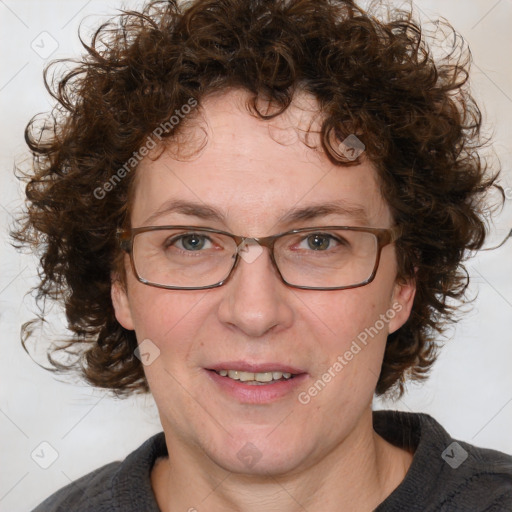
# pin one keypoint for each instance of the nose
(255, 300)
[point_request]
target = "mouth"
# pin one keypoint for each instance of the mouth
(256, 378)
(256, 383)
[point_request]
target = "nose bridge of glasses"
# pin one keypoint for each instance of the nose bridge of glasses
(267, 241)
(250, 248)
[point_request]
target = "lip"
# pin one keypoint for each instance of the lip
(252, 393)
(246, 366)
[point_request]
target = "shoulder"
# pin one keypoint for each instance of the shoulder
(119, 486)
(478, 476)
(85, 494)
(446, 474)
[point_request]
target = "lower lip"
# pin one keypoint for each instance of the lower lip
(254, 393)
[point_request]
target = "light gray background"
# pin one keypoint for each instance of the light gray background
(469, 392)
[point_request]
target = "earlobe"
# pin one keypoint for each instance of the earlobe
(121, 305)
(401, 303)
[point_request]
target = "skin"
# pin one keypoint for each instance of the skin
(323, 455)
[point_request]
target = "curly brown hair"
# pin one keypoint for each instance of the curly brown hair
(373, 77)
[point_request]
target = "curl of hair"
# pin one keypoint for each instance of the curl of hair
(371, 77)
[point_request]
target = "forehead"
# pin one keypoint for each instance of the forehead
(254, 174)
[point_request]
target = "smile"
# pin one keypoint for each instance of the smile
(256, 383)
(255, 378)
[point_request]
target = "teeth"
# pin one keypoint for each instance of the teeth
(250, 376)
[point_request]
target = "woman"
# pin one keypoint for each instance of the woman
(257, 211)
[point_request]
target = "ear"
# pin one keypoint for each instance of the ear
(121, 304)
(401, 303)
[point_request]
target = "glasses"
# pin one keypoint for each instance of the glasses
(198, 258)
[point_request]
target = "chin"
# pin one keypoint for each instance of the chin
(260, 454)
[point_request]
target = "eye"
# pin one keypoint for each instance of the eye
(319, 242)
(190, 242)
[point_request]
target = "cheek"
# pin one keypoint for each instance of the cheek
(163, 315)
(341, 316)
(350, 329)
(168, 325)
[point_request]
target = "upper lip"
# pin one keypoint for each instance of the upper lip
(246, 366)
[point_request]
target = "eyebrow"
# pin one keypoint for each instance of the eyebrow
(202, 211)
(315, 211)
(310, 212)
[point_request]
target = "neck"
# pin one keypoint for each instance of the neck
(357, 476)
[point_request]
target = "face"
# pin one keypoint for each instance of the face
(253, 173)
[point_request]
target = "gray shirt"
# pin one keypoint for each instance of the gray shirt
(445, 475)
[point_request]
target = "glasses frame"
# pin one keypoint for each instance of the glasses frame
(385, 236)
